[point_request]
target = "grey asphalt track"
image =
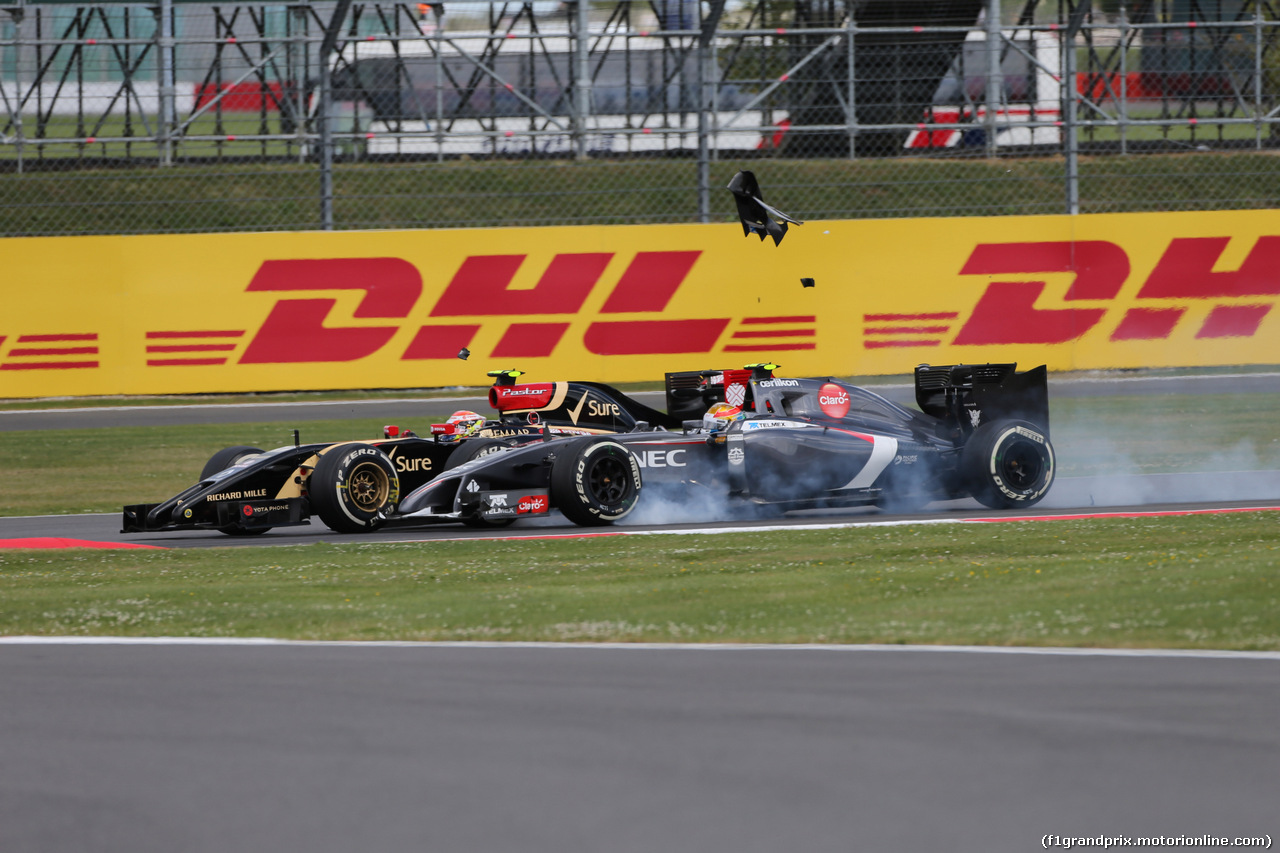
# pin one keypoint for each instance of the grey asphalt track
(1243, 490)
(420, 410)
(333, 749)
(124, 747)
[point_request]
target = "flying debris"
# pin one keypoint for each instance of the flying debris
(464, 353)
(806, 282)
(757, 216)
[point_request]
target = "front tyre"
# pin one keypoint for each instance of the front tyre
(221, 461)
(477, 448)
(474, 448)
(225, 458)
(354, 488)
(595, 481)
(1008, 463)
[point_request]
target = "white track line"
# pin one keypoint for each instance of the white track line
(621, 530)
(1052, 651)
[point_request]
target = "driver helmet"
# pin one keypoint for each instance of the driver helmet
(721, 415)
(465, 424)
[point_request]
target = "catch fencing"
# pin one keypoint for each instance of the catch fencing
(120, 118)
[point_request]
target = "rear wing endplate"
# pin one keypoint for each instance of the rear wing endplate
(973, 394)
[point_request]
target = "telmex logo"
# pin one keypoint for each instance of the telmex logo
(296, 330)
(1006, 312)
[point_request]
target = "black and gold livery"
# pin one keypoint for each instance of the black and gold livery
(356, 486)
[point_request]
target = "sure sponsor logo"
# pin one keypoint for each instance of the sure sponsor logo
(408, 465)
(603, 410)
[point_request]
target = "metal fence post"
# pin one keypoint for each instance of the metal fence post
(582, 79)
(19, 15)
(851, 57)
(165, 33)
(1257, 75)
(1123, 106)
(995, 77)
(1070, 97)
(704, 132)
(707, 83)
(327, 47)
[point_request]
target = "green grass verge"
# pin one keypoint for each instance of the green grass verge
(1190, 582)
(243, 196)
(88, 470)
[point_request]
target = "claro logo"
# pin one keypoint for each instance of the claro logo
(1012, 308)
(308, 328)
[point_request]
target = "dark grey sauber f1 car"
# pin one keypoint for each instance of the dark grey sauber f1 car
(750, 438)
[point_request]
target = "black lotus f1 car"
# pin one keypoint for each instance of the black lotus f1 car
(355, 486)
(982, 431)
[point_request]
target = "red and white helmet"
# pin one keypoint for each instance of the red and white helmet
(465, 423)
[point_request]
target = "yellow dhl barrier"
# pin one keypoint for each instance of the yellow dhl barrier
(289, 311)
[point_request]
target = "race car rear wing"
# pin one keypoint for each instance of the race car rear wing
(973, 394)
(690, 393)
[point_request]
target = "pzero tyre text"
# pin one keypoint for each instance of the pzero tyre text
(354, 488)
(595, 481)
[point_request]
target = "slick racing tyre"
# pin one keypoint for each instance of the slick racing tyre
(225, 458)
(474, 448)
(594, 481)
(1008, 463)
(221, 461)
(354, 488)
(477, 448)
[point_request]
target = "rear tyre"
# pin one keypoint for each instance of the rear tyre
(477, 448)
(1008, 464)
(354, 488)
(225, 458)
(221, 461)
(594, 481)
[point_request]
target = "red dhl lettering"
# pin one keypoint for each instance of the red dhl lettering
(1012, 307)
(1007, 312)
(295, 330)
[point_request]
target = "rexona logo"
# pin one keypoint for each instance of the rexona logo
(1012, 309)
(833, 400)
(303, 328)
